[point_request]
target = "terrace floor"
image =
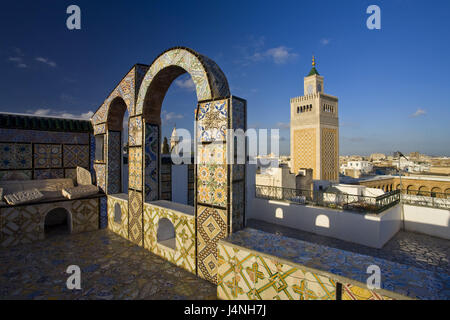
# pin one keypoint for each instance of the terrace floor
(111, 268)
(412, 249)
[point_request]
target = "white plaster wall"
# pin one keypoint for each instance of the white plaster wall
(180, 183)
(431, 221)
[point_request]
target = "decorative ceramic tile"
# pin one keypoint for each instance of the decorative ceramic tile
(83, 176)
(238, 114)
(135, 131)
(40, 174)
(184, 226)
(47, 156)
(211, 227)
(92, 155)
(37, 136)
(103, 213)
(135, 217)
(237, 206)
(16, 175)
(212, 185)
(135, 168)
(351, 292)
(212, 121)
(100, 128)
(76, 155)
(116, 226)
(15, 156)
(100, 174)
(114, 162)
(212, 153)
(151, 176)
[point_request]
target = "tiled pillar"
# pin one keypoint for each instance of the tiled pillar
(220, 185)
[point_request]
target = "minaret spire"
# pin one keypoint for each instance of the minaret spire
(313, 61)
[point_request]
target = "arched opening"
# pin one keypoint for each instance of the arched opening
(166, 234)
(57, 222)
(116, 121)
(436, 192)
(409, 190)
(117, 213)
(423, 191)
(447, 193)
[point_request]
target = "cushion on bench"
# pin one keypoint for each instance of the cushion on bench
(26, 196)
(80, 191)
(83, 177)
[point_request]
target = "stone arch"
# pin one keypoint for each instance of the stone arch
(447, 192)
(410, 189)
(214, 102)
(436, 192)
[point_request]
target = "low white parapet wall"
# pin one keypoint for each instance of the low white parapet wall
(427, 220)
(372, 230)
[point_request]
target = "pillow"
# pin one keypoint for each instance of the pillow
(80, 191)
(83, 177)
(20, 197)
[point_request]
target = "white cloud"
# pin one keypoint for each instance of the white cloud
(283, 125)
(62, 114)
(168, 117)
(185, 84)
(280, 54)
(418, 113)
(18, 61)
(46, 61)
(325, 41)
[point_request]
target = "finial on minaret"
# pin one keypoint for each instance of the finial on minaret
(313, 61)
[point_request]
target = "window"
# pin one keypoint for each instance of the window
(99, 147)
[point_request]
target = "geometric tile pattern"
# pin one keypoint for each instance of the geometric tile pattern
(103, 213)
(135, 168)
(251, 276)
(113, 184)
(329, 156)
(92, 156)
(151, 171)
(135, 217)
(25, 224)
(184, 253)
(212, 184)
(47, 156)
(37, 136)
(15, 156)
(304, 149)
(16, 175)
(135, 131)
(212, 225)
(352, 292)
(76, 155)
(40, 174)
(119, 228)
(237, 206)
(100, 175)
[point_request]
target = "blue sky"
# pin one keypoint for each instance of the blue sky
(392, 83)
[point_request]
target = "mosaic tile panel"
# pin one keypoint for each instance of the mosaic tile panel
(120, 228)
(238, 113)
(47, 156)
(212, 185)
(76, 155)
(16, 175)
(200, 69)
(352, 292)
(212, 153)
(100, 128)
(92, 156)
(212, 121)
(184, 225)
(103, 213)
(211, 227)
(40, 174)
(237, 206)
(15, 156)
(37, 136)
(135, 217)
(151, 174)
(113, 160)
(135, 168)
(135, 129)
(100, 176)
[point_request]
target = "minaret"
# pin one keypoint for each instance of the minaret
(174, 140)
(315, 129)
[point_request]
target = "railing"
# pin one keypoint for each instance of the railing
(426, 198)
(332, 200)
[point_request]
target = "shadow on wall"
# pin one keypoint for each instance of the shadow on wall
(166, 234)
